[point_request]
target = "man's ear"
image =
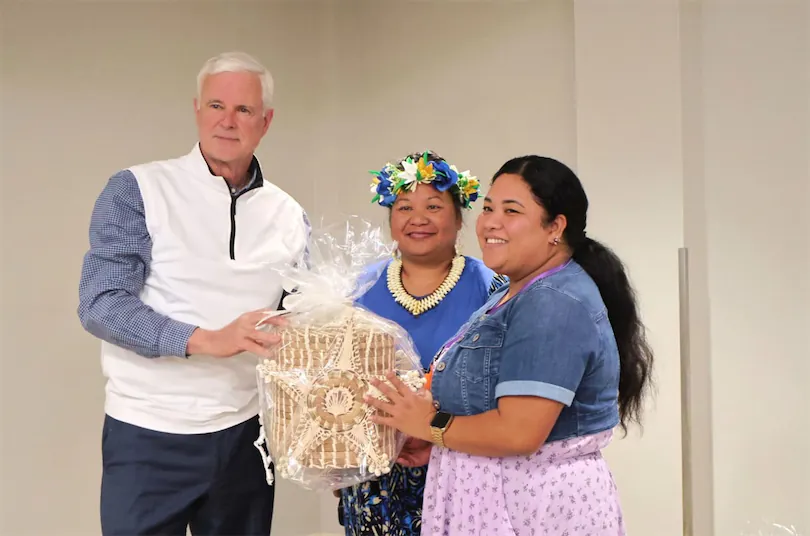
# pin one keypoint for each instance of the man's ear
(268, 118)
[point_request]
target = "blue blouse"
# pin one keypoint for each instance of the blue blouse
(552, 340)
(430, 330)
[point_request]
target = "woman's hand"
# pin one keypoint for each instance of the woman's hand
(408, 412)
(415, 453)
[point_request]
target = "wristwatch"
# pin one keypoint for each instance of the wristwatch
(439, 425)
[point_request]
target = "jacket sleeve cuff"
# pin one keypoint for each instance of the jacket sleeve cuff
(535, 388)
(174, 338)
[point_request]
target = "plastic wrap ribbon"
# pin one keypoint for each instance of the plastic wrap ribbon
(338, 266)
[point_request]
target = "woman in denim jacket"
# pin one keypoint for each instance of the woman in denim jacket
(528, 392)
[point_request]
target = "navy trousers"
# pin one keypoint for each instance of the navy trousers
(159, 484)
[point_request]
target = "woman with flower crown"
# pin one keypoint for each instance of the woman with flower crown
(430, 290)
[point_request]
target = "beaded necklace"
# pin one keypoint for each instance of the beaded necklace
(421, 305)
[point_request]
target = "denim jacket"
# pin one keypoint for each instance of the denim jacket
(552, 340)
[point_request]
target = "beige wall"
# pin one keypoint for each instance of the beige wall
(669, 125)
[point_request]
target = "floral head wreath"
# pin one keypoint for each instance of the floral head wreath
(391, 181)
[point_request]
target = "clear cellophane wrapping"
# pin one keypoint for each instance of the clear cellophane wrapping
(316, 425)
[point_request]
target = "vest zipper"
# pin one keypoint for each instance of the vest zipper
(234, 198)
(233, 226)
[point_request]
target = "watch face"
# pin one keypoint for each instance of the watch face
(440, 420)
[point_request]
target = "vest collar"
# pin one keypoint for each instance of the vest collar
(200, 168)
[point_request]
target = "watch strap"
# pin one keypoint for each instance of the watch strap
(437, 436)
(437, 433)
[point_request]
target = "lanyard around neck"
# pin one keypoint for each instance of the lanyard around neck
(462, 332)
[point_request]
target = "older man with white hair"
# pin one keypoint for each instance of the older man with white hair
(174, 283)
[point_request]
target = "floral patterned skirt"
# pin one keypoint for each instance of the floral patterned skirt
(389, 506)
(564, 489)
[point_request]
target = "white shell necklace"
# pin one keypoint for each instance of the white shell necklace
(418, 306)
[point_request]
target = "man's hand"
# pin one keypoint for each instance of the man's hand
(239, 336)
(415, 453)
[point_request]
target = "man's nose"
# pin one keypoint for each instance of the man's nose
(229, 119)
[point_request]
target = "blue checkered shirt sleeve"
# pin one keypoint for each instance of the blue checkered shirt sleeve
(113, 275)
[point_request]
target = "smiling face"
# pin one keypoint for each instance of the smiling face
(425, 223)
(231, 119)
(513, 232)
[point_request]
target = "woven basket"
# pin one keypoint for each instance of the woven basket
(315, 415)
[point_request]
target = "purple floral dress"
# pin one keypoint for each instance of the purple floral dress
(566, 489)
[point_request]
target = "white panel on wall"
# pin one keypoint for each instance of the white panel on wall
(628, 103)
(697, 432)
(757, 188)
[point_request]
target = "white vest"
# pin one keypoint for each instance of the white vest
(193, 279)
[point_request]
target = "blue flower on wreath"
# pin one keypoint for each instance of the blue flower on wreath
(446, 177)
(382, 187)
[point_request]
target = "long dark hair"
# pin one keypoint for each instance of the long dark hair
(558, 190)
